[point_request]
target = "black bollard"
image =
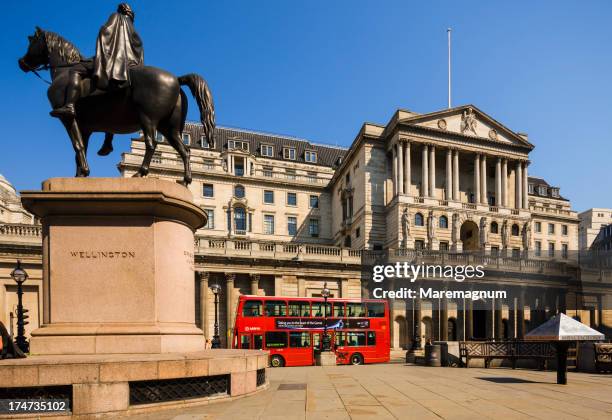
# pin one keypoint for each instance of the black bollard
(561, 347)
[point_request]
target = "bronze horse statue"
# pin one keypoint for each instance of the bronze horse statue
(154, 101)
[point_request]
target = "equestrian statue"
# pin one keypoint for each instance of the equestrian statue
(114, 92)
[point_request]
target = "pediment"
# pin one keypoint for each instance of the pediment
(468, 121)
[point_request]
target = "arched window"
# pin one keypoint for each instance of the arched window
(494, 227)
(443, 222)
(515, 230)
(418, 219)
(452, 329)
(240, 223)
(239, 191)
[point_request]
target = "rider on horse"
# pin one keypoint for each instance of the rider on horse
(118, 48)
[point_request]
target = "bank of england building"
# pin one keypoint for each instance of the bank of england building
(286, 216)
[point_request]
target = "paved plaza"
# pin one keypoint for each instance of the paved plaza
(399, 391)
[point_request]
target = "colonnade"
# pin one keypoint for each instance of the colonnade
(402, 173)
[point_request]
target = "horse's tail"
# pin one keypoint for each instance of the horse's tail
(199, 89)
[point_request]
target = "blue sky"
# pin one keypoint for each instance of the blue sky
(319, 69)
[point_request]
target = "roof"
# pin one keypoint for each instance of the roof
(563, 328)
(538, 182)
(327, 155)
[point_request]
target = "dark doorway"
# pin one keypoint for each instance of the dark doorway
(469, 236)
(479, 317)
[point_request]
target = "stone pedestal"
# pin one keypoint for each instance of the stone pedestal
(118, 263)
(325, 358)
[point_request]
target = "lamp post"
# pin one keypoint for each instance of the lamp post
(216, 341)
(326, 339)
(20, 276)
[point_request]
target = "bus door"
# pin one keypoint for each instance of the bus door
(301, 350)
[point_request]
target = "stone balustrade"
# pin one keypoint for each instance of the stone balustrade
(20, 233)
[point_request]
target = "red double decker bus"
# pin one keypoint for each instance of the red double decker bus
(291, 329)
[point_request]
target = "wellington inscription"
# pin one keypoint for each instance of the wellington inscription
(103, 254)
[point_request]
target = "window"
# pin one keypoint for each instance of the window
(338, 311)
(551, 249)
(347, 178)
(515, 230)
(239, 191)
(268, 224)
(314, 201)
(564, 250)
(238, 166)
(443, 222)
(313, 227)
(531, 188)
(542, 190)
(245, 342)
(291, 199)
(371, 338)
(238, 144)
(538, 248)
(267, 171)
(299, 309)
(357, 232)
(252, 308)
(354, 339)
(208, 190)
(186, 139)
(289, 153)
(267, 150)
(355, 309)
(444, 246)
(204, 143)
(311, 177)
(268, 197)
(494, 227)
(494, 251)
(209, 164)
(538, 227)
(339, 338)
(310, 156)
(418, 219)
(299, 339)
(292, 225)
(276, 339)
(551, 228)
(376, 309)
(516, 252)
(210, 222)
(240, 220)
(554, 192)
(318, 309)
(419, 244)
(276, 308)
(564, 230)
(290, 173)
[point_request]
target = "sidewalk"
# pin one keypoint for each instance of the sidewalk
(398, 391)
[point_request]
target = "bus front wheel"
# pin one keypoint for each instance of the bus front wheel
(277, 361)
(356, 359)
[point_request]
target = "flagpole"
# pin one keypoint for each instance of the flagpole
(448, 32)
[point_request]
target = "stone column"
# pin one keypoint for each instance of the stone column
(278, 286)
(512, 316)
(425, 173)
(444, 320)
(498, 320)
(483, 180)
(394, 170)
(343, 288)
(477, 178)
(469, 320)
(417, 324)
(490, 321)
(498, 183)
(432, 171)
(449, 174)
(255, 284)
(204, 276)
(504, 189)
(518, 199)
(456, 175)
(229, 308)
(400, 167)
(407, 169)
(520, 314)
(525, 186)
